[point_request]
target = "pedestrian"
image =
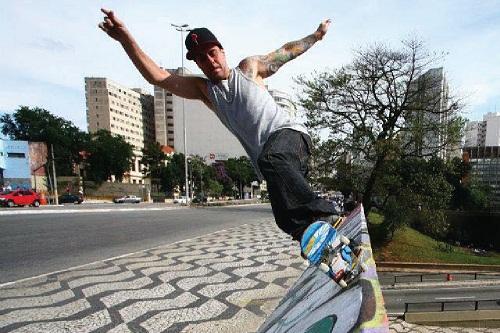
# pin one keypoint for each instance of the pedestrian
(278, 146)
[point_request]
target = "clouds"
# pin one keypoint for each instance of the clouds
(49, 47)
(49, 44)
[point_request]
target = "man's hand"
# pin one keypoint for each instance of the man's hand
(113, 26)
(322, 29)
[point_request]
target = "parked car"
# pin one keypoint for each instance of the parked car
(180, 200)
(200, 199)
(127, 199)
(70, 198)
(19, 198)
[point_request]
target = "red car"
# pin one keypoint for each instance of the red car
(19, 198)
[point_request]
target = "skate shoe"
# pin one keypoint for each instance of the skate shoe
(324, 247)
(319, 240)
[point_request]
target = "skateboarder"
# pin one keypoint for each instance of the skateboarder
(278, 146)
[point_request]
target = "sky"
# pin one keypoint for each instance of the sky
(49, 47)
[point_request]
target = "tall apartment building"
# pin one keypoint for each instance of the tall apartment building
(284, 101)
(206, 135)
(431, 101)
(484, 133)
(122, 111)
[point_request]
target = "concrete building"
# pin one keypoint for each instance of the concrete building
(284, 101)
(431, 102)
(484, 133)
(482, 151)
(122, 111)
(22, 164)
(206, 135)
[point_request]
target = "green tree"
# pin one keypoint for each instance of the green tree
(420, 195)
(39, 125)
(468, 194)
(214, 188)
(153, 159)
(241, 171)
(381, 107)
(199, 174)
(108, 155)
(173, 176)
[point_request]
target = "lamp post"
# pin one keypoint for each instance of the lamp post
(182, 28)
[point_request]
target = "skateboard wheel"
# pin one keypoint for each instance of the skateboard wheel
(344, 240)
(305, 264)
(324, 267)
(342, 283)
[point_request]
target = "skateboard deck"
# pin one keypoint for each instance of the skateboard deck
(315, 304)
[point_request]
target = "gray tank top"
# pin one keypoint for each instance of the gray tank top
(249, 112)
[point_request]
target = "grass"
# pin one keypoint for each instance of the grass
(409, 245)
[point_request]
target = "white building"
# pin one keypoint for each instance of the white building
(484, 133)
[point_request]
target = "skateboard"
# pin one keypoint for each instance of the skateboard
(334, 254)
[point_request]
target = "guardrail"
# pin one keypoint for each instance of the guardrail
(445, 277)
(443, 307)
(391, 266)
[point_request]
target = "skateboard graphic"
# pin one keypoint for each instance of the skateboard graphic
(340, 258)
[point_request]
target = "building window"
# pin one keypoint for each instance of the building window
(16, 155)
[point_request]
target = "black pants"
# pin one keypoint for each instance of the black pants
(284, 165)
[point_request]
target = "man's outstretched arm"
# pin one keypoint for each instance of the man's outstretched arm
(187, 87)
(267, 65)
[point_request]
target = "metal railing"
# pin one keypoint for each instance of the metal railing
(445, 277)
(442, 305)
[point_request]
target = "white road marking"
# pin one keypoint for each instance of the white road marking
(453, 298)
(76, 211)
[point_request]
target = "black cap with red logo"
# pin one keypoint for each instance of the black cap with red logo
(198, 37)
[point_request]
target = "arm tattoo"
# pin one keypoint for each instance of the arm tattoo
(273, 61)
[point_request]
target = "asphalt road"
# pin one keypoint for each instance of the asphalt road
(48, 241)
(462, 298)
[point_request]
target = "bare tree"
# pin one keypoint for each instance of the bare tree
(385, 104)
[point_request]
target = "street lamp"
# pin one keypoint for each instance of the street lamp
(182, 28)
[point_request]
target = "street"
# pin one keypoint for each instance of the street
(58, 238)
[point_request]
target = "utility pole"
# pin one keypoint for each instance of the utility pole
(54, 173)
(183, 28)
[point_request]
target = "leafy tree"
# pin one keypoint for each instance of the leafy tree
(39, 125)
(173, 175)
(241, 171)
(468, 194)
(200, 173)
(382, 107)
(419, 195)
(153, 159)
(214, 188)
(221, 175)
(108, 155)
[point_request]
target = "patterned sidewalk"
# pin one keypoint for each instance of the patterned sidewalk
(227, 281)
